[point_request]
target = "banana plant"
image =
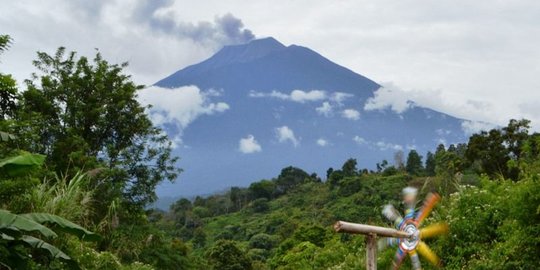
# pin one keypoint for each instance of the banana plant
(20, 230)
(31, 230)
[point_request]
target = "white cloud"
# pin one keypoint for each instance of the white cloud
(299, 96)
(322, 142)
(273, 94)
(179, 106)
(249, 145)
(351, 114)
(359, 140)
(388, 96)
(284, 134)
(471, 127)
(325, 109)
(383, 146)
(339, 97)
(313, 95)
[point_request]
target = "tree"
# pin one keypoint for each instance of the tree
(329, 172)
(180, 210)
(289, 178)
(5, 40)
(239, 197)
(225, 255)
(262, 189)
(8, 87)
(490, 152)
(382, 166)
(430, 164)
(85, 115)
(414, 163)
(8, 97)
(349, 167)
(516, 134)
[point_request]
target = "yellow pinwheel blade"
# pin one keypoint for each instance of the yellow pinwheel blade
(433, 230)
(427, 253)
(429, 203)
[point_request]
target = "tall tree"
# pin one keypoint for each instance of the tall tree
(414, 163)
(430, 164)
(8, 87)
(84, 114)
(349, 167)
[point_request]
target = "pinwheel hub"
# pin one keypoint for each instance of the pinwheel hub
(410, 243)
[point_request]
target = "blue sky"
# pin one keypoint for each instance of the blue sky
(477, 60)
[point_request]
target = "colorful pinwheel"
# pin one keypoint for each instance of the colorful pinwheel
(411, 224)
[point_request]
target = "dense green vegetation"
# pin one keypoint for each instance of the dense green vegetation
(285, 223)
(80, 160)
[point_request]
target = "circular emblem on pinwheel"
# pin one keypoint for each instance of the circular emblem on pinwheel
(411, 224)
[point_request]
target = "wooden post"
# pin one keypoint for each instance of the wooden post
(371, 233)
(371, 251)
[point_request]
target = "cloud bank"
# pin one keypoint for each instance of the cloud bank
(472, 127)
(181, 106)
(389, 96)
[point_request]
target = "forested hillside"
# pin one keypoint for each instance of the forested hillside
(80, 161)
(490, 199)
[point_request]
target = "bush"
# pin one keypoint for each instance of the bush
(225, 255)
(262, 241)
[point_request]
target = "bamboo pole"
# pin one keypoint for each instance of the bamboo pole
(347, 227)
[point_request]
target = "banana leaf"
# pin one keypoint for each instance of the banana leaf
(21, 164)
(38, 243)
(63, 225)
(11, 223)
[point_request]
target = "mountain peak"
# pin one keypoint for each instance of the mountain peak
(245, 52)
(268, 43)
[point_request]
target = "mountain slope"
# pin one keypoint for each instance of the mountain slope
(300, 108)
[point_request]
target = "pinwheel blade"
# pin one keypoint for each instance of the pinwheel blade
(392, 215)
(429, 203)
(428, 253)
(383, 243)
(409, 199)
(433, 230)
(415, 260)
(398, 258)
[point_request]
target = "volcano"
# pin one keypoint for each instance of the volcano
(289, 106)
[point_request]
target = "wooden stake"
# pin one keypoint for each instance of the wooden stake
(371, 251)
